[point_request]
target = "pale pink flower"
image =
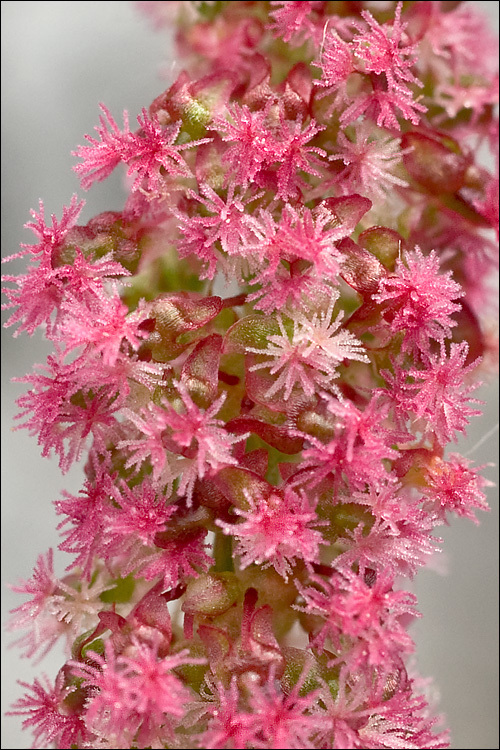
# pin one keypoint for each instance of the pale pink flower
(60, 608)
(309, 358)
(369, 162)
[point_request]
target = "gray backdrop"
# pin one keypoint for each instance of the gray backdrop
(58, 61)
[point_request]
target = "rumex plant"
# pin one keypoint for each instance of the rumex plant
(263, 361)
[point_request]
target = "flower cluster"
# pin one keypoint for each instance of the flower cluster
(263, 358)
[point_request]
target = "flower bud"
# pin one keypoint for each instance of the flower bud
(384, 243)
(211, 594)
(434, 161)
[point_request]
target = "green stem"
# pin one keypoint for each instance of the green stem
(223, 553)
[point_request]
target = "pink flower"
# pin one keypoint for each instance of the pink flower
(419, 301)
(402, 720)
(228, 723)
(42, 291)
(269, 718)
(454, 487)
(361, 622)
(176, 559)
(47, 713)
(293, 20)
(400, 545)
(250, 141)
(440, 395)
(64, 396)
(85, 515)
(336, 63)
(41, 587)
(226, 224)
(135, 694)
(383, 105)
(103, 332)
(463, 40)
(383, 49)
(351, 451)
(146, 152)
(293, 155)
(51, 239)
(200, 438)
(185, 441)
(132, 522)
(284, 720)
(275, 530)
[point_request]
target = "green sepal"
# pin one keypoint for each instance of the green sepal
(121, 592)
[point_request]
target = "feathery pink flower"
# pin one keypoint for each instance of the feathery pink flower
(151, 152)
(277, 529)
(419, 300)
(46, 711)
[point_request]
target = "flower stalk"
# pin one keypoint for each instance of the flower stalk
(263, 361)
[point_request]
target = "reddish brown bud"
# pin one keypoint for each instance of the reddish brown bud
(434, 161)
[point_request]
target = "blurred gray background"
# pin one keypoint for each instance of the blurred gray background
(59, 60)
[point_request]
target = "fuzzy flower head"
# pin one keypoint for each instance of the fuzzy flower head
(440, 393)
(132, 522)
(310, 356)
(369, 163)
(247, 136)
(50, 238)
(136, 696)
(453, 486)
(150, 153)
(291, 21)
(105, 331)
(336, 62)
(277, 529)
(362, 621)
(199, 438)
(419, 300)
(184, 441)
(384, 49)
(59, 608)
(46, 711)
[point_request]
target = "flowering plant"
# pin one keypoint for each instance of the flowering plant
(263, 357)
